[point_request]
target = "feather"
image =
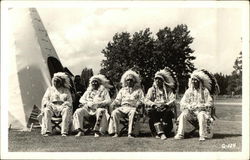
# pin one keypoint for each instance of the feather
(134, 74)
(169, 77)
(174, 76)
(61, 75)
(214, 85)
(208, 80)
(102, 79)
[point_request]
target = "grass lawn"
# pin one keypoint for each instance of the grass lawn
(227, 137)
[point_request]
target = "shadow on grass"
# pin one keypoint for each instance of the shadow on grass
(215, 136)
(145, 135)
(225, 135)
(148, 134)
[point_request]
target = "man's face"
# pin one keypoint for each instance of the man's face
(130, 82)
(57, 83)
(158, 81)
(196, 83)
(95, 84)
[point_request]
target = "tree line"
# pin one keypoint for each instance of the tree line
(231, 84)
(147, 54)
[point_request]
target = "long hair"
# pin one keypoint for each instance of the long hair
(134, 74)
(101, 79)
(206, 79)
(64, 79)
(169, 78)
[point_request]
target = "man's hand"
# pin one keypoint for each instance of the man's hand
(154, 106)
(203, 108)
(49, 106)
(158, 105)
(90, 104)
(200, 107)
(138, 104)
(161, 107)
(113, 105)
(99, 105)
(64, 106)
(81, 105)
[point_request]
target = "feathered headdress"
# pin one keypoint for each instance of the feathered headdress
(63, 77)
(169, 78)
(134, 75)
(102, 80)
(207, 79)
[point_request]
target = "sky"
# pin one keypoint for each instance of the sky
(80, 34)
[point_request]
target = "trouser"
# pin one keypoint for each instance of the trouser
(122, 112)
(82, 115)
(66, 117)
(158, 119)
(185, 119)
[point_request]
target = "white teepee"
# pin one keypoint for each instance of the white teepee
(32, 61)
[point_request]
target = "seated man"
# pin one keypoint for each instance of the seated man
(57, 101)
(195, 105)
(94, 103)
(129, 99)
(160, 99)
(80, 89)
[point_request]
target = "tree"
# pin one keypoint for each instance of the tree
(222, 81)
(125, 53)
(235, 81)
(170, 49)
(174, 51)
(117, 54)
(238, 65)
(86, 75)
(142, 56)
(231, 84)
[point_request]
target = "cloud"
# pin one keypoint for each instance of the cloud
(79, 34)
